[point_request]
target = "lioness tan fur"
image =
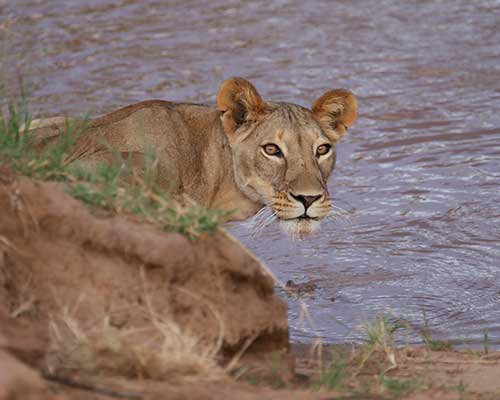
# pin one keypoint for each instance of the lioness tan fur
(241, 156)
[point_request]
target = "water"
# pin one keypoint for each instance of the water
(418, 175)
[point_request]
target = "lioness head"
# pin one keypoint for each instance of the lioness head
(283, 154)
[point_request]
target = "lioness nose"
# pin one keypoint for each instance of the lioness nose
(306, 200)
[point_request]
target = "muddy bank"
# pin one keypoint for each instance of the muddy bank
(62, 265)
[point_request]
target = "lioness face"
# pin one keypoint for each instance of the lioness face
(283, 154)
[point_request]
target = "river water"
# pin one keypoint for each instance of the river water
(418, 177)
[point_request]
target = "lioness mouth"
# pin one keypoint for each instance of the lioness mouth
(307, 217)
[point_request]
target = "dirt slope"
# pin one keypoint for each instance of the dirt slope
(62, 265)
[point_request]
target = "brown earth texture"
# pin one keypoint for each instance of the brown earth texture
(102, 307)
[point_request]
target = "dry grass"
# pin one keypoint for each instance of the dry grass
(159, 349)
(381, 339)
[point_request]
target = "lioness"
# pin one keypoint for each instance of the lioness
(243, 155)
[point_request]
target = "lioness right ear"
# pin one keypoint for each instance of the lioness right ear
(239, 102)
(336, 111)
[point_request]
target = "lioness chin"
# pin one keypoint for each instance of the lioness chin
(243, 155)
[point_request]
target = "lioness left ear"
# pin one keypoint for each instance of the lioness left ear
(336, 110)
(239, 102)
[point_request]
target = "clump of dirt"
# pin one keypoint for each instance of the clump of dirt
(19, 343)
(120, 297)
(18, 381)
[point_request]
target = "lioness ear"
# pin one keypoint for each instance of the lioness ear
(336, 111)
(239, 102)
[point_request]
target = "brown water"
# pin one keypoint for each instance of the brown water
(418, 176)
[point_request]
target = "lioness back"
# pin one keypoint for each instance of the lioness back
(178, 134)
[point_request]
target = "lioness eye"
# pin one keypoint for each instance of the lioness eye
(322, 150)
(272, 150)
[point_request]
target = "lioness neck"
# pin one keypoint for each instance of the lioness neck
(215, 186)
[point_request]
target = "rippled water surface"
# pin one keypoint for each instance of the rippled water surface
(418, 176)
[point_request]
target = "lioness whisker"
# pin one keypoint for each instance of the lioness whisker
(341, 209)
(259, 214)
(336, 214)
(263, 218)
(269, 219)
(255, 220)
(342, 218)
(266, 222)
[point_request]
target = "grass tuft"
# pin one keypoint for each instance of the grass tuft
(430, 342)
(333, 377)
(381, 338)
(486, 341)
(401, 387)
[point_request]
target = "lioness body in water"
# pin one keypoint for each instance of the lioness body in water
(243, 155)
